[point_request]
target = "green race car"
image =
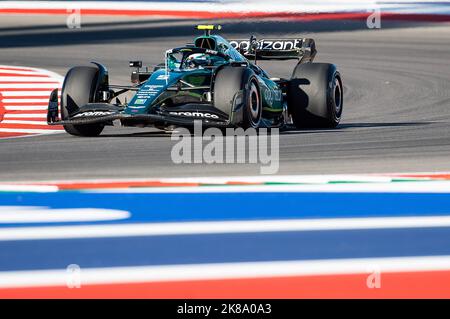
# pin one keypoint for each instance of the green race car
(212, 80)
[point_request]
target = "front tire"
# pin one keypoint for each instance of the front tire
(78, 90)
(231, 80)
(253, 107)
(315, 96)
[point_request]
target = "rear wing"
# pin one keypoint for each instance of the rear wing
(303, 49)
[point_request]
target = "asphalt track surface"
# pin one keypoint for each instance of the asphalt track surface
(396, 113)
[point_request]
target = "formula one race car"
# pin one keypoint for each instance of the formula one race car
(212, 80)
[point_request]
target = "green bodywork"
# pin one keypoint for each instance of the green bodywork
(159, 90)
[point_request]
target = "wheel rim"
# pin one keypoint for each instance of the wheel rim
(337, 96)
(255, 106)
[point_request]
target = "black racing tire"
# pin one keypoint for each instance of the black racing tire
(79, 89)
(231, 80)
(315, 96)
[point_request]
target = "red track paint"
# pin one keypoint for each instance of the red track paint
(30, 82)
(234, 15)
(425, 176)
(2, 109)
(243, 183)
(7, 68)
(37, 75)
(8, 134)
(24, 97)
(10, 117)
(26, 103)
(28, 89)
(94, 185)
(28, 112)
(393, 285)
(30, 126)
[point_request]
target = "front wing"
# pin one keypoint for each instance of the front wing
(105, 113)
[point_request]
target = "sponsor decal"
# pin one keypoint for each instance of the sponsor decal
(195, 114)
(272, 95)
(140, 101)
(162, 77)
(149, 91)
(264, 44)
(153, 87)
(94, 113)
(213, 52)
(268, 96)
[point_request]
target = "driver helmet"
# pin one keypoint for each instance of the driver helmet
(197, 60)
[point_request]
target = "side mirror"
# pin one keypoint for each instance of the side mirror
(135, 64)
(222, 47)
(243, 47)
(253, 44)
(248, 47)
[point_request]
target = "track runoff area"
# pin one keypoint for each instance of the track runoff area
(376, 236)
(352, 236)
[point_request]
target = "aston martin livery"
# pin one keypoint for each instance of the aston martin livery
(212, 80)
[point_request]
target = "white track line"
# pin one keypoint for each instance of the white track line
(220, 180)
(221, 227)
(22, 72)
(284, 179)
(24, 122)
(30, 86)
(18, 116)
(12, 94)
(311, 179)
(25, 107)
(28, 188)
(25, 79)
(402, 187)
(31, 214)
(37, 70)
(166, 273)
(43, 100)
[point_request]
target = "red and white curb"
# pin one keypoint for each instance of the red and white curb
(436, 182)
(306, 9)
(24, 94)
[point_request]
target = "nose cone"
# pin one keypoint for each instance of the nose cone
(150, 91)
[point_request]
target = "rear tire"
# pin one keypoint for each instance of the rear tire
(231, 80)
(315, 96)
(78, 90)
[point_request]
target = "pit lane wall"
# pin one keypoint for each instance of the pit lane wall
(212, 9)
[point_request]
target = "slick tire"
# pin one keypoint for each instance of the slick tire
(79, 89)
(315, 96)
(228, 82)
